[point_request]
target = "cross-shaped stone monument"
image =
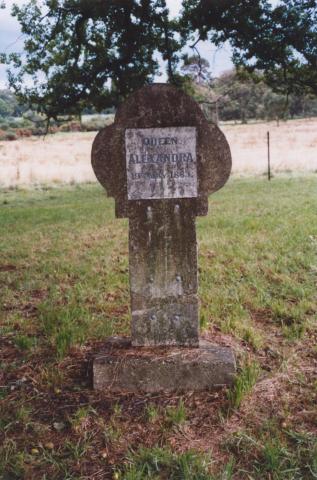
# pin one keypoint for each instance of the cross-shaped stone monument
(160, 160)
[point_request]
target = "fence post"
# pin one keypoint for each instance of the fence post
(268, 157)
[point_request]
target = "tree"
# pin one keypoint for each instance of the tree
(9, 105)
(275, 106)
(197, 68)
(280, 41)
(241, 95)
(82, 54)
(4, 109)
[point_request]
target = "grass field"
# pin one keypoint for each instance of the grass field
(65, 157)
(64, 287)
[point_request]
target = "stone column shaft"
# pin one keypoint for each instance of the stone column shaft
(163, 273)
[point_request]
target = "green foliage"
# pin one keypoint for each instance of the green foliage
(24, 342)
(9, 106)
(176, 415)
(185, 83)
(159, 463)
(288, 456)
(11, 460)
(112, 432)
(64, 326)
(196, 68)
(244, 382)
(78, 449)
(112, 48)
(152, 412)
(242, 96)
(280, 41)
(5, 109)
(80, 419)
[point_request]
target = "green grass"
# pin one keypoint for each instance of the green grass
(64, 287)
(261, 242)
(158, 463)
(24, 342)
(161, 463)
(292, 456)
(176, 415)
(67, 267)
(65, 255)
(244, 382)
(152, 413)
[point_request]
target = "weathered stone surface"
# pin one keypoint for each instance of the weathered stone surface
(161, 163)
(122, 368)
(161, 189)
(163, 274)
(160, 106)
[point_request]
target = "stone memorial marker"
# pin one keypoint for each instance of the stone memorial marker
(160, 160)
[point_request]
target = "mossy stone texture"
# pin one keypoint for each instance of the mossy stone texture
(123, 368)
(162, 234)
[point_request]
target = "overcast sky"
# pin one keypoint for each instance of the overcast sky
(11, 40)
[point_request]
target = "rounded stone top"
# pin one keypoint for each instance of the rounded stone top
(157, 106)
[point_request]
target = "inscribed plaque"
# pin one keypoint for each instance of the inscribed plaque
(161, 162)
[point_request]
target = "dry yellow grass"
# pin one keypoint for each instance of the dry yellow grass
(65, 157)
(293, 146)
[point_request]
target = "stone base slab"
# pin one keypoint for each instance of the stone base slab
(124, 368)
